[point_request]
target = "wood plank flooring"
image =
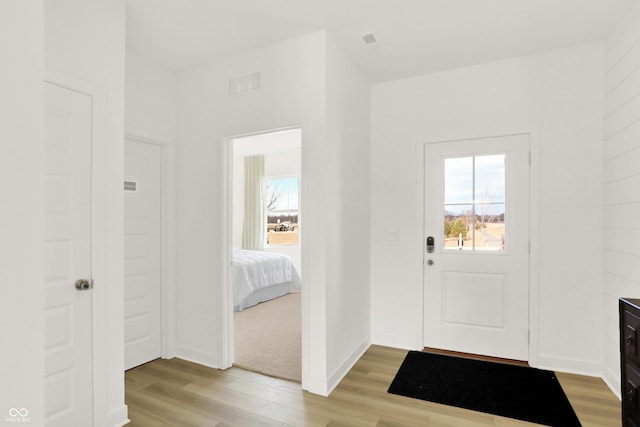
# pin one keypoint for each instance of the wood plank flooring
(177, 393)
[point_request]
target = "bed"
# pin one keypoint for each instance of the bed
(261, 276)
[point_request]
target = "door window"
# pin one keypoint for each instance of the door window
(475, 203)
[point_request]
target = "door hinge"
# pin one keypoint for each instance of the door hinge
(529, 247)
(529, 336)
(529, 158)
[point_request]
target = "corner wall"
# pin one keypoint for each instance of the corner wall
(306, 82)
(21, 224)
(292, 94)
(621, 181)
(556, 96)
(346, 215)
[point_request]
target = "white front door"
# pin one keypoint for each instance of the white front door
(476, 274)
(142, 252)
(67, 258)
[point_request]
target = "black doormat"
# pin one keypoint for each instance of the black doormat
(518, 392)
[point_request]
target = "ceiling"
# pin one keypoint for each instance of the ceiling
(413, 36)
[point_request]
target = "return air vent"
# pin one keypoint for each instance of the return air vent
(244, 84)
(368, 38)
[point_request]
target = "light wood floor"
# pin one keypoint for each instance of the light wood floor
(182, 394)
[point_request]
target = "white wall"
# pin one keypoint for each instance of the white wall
(150, 100)
(84, 48)
(151, 96)
(292, 93)
(557, 96)
(345, 215)
(21, 157)
(621, 159)
(306, 82)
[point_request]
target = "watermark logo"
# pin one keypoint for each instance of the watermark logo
(18, 416)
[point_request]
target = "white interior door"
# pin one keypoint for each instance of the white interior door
(142, 251)
(67, 258)
(476, 278)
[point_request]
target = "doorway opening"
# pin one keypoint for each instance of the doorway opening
(266, 277)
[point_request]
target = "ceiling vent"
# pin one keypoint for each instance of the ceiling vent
(369, 38)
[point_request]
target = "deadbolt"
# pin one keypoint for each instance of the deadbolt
(83, 285)
(430, 262)
(430, 244)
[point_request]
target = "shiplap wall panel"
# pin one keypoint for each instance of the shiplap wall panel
(623, 117)
(617, 286)
(623, 265)
(621, 183)
(619, 95)
(619, 55)
(622, 142)
(621, 191)
(622, 240)
(618, 73)
(627, 216)
(622, 166)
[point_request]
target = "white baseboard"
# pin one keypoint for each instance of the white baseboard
(396, 341)
(570, 366)
(197, 356)
(316, 385)
(344, 368)
(118, 417)
(612, 381)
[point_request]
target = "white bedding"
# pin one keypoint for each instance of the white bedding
(260, 276)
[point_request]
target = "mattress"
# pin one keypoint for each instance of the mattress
(260, 276)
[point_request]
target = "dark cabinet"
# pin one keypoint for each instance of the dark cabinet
(630, 360)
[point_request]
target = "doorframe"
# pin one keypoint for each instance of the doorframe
(106, 252)
(534, 230)
(167, 245)
(226, 294)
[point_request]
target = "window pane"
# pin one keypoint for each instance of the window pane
(458, 180)
(490, 178)
(282, 228)
(474, 208)
(281, 205)
(458, 229)
(277, 194)
(490, 227)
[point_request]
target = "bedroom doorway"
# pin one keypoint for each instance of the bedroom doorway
(267, 228)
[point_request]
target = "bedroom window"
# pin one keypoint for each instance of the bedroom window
(281, 210)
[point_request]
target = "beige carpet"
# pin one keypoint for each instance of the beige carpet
(268, 338)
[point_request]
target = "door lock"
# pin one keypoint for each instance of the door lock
(83, 284)
(430, 244)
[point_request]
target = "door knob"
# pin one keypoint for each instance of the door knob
(430, 262)
(83, 284)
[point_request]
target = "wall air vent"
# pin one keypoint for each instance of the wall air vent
(244, 84)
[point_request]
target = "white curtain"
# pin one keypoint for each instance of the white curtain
(253, 229)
